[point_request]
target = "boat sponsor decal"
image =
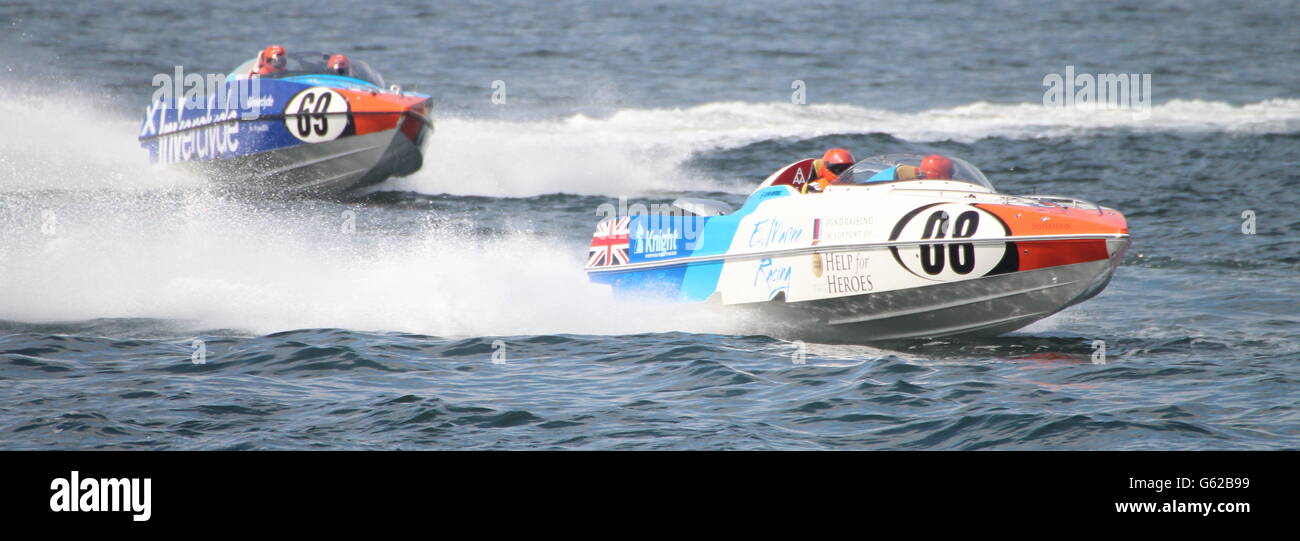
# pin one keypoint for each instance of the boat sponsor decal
(609, 243)
(236, 100)
(720, 234)
(317, 114)
(799, 178)
(794, 175)
(179, 130)
(207, 137)
(773, 233)
(772, 277)
(186, 130)
(947, 261)
(261, 102)
(846, 273)
(654, 244)
(846, 229)
(662, 236)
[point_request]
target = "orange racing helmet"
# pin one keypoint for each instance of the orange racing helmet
(935, 167)
(837, 161)
(271, 60)
(828, 169)
(340, 65)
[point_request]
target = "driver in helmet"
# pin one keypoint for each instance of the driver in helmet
(935, 167)
(932, 167)
(825, 170)
(340, 65)
(270, 61)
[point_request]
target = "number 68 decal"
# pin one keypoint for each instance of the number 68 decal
(944, 261)
(961, 256)
(313, 115)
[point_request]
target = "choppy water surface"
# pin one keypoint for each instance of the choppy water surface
(383, 334)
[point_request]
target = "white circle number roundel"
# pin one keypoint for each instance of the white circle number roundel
(317, 114)
(947, 260)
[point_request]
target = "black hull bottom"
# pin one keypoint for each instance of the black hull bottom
(988, 306)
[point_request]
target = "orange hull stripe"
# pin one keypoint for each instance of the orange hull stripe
(365, 101)
(1058, 221)
(1040, 254)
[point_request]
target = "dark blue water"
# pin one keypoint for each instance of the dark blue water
(374, 322)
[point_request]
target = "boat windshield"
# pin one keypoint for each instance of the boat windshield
(312, 63)
(901, 167)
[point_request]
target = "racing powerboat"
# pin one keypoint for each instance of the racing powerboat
(880, 254)
(305, 129)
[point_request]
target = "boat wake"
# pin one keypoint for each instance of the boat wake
(218, 263)
(68, 142)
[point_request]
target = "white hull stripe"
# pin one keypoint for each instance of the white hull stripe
(842, 248)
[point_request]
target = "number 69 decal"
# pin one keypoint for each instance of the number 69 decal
(316, 114)
(948, 260)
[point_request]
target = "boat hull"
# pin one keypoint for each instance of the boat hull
(988, 306)
(319, 169)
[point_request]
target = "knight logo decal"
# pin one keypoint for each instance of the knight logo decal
(655, 242)
(799, 179)
(317, 114)
(947, 260)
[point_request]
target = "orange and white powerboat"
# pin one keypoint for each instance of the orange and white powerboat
(879, 254)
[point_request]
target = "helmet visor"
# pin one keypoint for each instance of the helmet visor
(838, 168)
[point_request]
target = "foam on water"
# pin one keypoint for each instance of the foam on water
(70, 142)
(86, 233)
(228, 264)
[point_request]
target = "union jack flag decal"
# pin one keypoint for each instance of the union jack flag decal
(609, 243)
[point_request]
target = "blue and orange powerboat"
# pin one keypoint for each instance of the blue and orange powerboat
(317, 124)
